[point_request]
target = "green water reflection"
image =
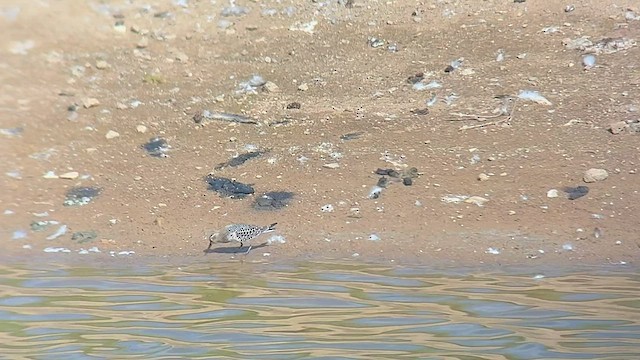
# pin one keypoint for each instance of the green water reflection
(313, 311)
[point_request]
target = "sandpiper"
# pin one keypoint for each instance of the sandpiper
(242, 233)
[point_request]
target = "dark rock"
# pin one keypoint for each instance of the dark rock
(198, 118)
(351, 136)
(273, 200)
(82, 237)
(383, 182)
(388, 172)
(157, 147)
(576, 192)
(40, 225)
(407, 181)
(229, 188)
(420, 112)
(240, 159)
(294, 105)
(415, 78)
(79, 196)
(411, 173)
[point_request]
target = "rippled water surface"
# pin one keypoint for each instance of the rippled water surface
(314, 311)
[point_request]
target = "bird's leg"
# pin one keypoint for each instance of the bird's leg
(210, 244)
(248, 250)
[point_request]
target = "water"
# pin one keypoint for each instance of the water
(313, 311)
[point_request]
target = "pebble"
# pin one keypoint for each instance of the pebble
(182, 57)
(69, 175)
(553, 193)
(374, 237)
(276, 239)
(90, 102)
(303, 87)
(588, 61)
(101, 65)
(593, 175)
(477, 200)
(375, 192)
(327, 208)
(143, 43)
(270, 87)
(483, 177)
(493, 251)
(141, 129)
(50, 175)
(112, 134)
(617, 127)
(331, 166)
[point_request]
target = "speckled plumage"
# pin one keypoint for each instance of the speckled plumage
(242, 233)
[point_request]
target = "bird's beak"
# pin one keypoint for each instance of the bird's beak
(212, 238)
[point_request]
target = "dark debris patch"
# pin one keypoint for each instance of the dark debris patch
(413, 79)
(577, 192)
(294, 105)
(157, 147)
(79, 196)
(82, 237)
(388, 172)
(420, 112)
(240, 159)
(405, 176)
(273, 200)
(351, 136)
(229, 188)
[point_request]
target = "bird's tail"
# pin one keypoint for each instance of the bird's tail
(270, 228)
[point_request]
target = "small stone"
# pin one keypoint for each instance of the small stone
(374, 237)
(182, 57)
(120, 27)
(143, 43)
(617, 127)
(121, 106)
(593, 175)
(327, 208)
(112, 134)
(466, 72)
(69, 175)
(141, 129)
(331, 165)
(553, 193)
(270, 87)
(303, 87)
(483, 177)
(101, 65)
(511, 212)
(90, 102)
(293, 105)
(477, 200)
(407, 181)
(50, 175)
